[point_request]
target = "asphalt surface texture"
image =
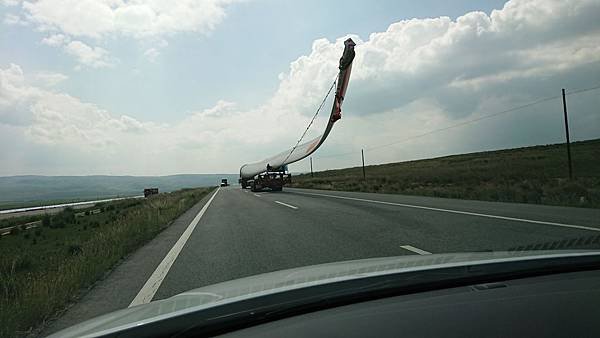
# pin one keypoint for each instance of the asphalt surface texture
(243, 233)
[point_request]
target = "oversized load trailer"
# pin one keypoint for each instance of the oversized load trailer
(272, 172)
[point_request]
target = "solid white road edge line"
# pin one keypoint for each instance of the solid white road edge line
(415, 250)
(153, 283)
(287, 205)
(456, 211)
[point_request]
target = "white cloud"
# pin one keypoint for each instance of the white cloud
(49, 79)
(139, 18)
(94, 57)
(56, 40)
(151, 54)
(48, 117)
(418, 75)
(15, 20)
(10, 2)
(97, 20)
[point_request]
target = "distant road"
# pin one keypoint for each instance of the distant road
(55, 208)
(241, 233)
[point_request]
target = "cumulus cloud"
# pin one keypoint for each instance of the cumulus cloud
(49, 79)
(140, 18)
(48, 117)
(96, 20)
(15, 20)
(10, 2)
(94, 57)
(85, 55)
(15, 96)
(418, 75)
(56, 40)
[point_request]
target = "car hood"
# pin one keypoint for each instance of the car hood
(285, 280)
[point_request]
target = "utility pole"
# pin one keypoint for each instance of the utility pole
(362, 153)
(567, 134)
(311, 170)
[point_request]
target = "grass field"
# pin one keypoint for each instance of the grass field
(529, 175)
(43, 267)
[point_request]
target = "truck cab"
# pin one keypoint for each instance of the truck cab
(273, 180)
(224, 182)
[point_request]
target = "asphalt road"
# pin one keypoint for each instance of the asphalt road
(242, 233)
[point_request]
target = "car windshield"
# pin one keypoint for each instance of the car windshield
(150, 148)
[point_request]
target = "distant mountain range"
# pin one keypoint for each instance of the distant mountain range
(19, 189)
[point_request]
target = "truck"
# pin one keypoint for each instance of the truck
(150, 191)
(272, 172)
(224, 182)
(273, 179)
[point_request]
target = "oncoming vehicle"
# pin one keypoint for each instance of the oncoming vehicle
(224, 182)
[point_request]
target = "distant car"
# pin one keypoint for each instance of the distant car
(150, 191)
(224, 182)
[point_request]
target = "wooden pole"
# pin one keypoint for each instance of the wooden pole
(567, 134)
(362, 153)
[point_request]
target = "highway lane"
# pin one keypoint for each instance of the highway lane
(243, 233)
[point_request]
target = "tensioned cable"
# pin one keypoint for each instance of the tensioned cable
(313, 118)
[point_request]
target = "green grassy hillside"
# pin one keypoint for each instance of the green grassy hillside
(42, 267)
(531, 175)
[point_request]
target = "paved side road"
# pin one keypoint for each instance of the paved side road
(243, 233)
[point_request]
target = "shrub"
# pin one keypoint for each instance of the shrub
(74, 250)
(47, 220)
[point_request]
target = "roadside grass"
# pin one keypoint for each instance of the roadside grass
(43, 268)
(527, 175)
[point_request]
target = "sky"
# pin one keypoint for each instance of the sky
(146, 87)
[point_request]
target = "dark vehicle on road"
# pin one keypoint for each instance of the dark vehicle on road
(273, 180)
(224, 182)
(150, 192)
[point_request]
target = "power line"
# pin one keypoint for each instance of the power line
(583, 90)
(546, 99)
(550, 98)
